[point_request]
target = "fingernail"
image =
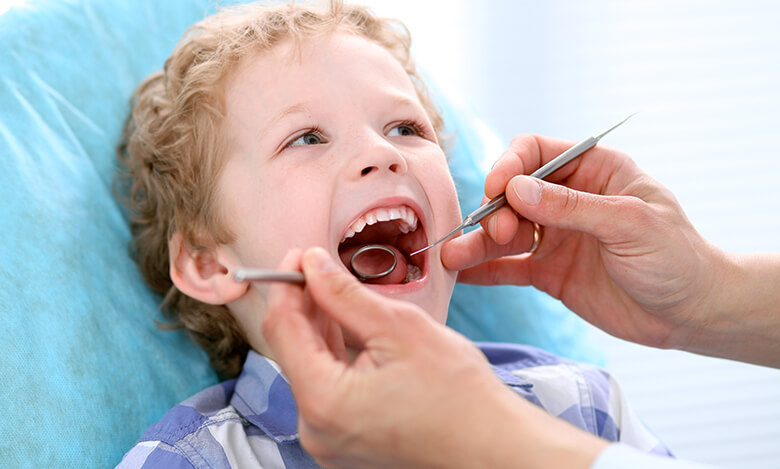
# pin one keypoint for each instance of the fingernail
(322, 261)
(527, 189)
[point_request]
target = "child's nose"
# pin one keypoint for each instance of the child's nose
(393, 167)
(382, 158)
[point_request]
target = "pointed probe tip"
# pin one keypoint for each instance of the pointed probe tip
(601, 135)
(421, 250)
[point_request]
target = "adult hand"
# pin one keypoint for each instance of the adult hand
(417, 394)
(617, 248)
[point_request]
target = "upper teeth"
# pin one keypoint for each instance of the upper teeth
(405, 217)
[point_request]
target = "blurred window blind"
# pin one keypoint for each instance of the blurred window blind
(706, 78)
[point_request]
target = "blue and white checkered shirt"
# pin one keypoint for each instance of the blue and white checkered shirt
(251, 421)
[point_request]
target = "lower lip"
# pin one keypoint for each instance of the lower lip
(399, 288)
(393, 289)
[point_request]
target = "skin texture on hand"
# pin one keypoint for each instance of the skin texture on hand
(417, 395)
(617, 249)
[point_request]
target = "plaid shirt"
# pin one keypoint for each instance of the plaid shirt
(252, 421)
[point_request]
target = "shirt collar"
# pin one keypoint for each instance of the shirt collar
(510, 379)
(263, 397)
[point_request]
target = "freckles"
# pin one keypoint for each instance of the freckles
(322, 165)
(304, 169)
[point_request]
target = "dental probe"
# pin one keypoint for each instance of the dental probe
(556, 163)
(268, 275)
(271, 275)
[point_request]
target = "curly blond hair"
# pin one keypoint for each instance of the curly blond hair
(172, 150)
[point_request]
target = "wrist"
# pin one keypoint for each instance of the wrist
(740, 319)
(530, 438)
(695, 330)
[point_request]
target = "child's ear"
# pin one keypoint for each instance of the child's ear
(203, 273)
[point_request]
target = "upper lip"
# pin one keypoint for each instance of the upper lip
(404, 215)
(388, 203)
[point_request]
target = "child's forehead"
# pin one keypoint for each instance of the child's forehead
(297, 49)
(334, 51)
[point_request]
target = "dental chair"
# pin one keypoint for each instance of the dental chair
(84, 367)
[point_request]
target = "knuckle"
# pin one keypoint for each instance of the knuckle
(520, 141)
(637, 210)
(638, 215)
(570, 202)
(522, 151)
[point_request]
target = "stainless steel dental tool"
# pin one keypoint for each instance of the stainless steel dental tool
(271, 275)
(268, 275)
(362, 276)
(556, 163)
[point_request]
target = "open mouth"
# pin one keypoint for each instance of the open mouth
(396, 228)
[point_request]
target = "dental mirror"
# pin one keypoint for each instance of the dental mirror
(373, 254)
(376, 254)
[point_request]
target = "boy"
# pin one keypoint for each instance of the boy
(273, 128)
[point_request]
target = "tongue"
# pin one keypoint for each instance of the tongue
(375, 261)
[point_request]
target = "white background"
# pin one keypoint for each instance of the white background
(6, 4)
(706, 77)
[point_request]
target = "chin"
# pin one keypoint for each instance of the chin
(432, 292)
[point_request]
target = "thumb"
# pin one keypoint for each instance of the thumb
(359, 310)
(559, 206)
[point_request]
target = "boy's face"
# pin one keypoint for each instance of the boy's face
(321, 144)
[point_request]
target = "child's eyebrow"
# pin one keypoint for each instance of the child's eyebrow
(294, 109)
(401, 100)
(395, 100)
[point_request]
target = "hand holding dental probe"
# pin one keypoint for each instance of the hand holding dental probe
(494, 204)
(619, 251)
(352, 413)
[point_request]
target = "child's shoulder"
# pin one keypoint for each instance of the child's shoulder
(539, 367)
(577, 392)
(170, 441)
(580, 393)
(519, 356)
(210, 404)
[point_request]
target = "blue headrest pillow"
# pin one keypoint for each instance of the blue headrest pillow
(85, 369)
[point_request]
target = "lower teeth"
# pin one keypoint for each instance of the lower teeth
(412, 273)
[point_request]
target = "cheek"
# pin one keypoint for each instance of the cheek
(282, 213)
(302, 201)
(434, 174)
(442, 191)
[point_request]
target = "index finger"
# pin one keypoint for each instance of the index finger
(477, 247)
(295, 338)
(526, 153)
(364, 313)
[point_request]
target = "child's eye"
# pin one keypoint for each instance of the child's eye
(406, 129)
(309, 138)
